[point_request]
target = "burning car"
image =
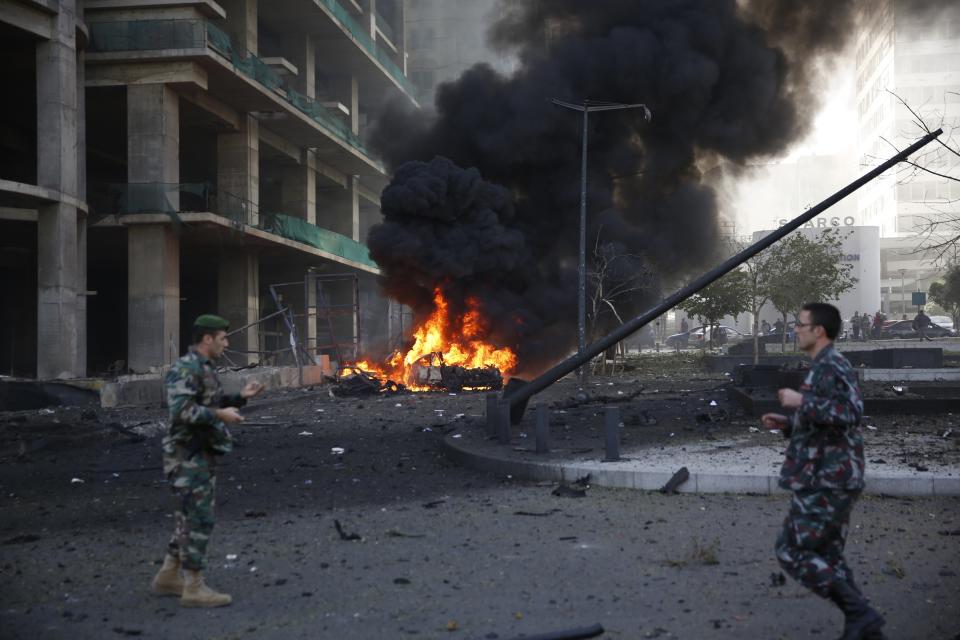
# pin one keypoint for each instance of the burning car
(431, 371)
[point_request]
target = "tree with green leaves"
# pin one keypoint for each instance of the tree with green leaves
(947, 293)
(724, 297)
(803, 269)
(758, 271)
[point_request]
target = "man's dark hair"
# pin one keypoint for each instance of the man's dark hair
(197, 333)
(824, 315)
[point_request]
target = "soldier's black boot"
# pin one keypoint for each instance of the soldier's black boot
(861, 621)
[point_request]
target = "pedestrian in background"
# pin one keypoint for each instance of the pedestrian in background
(824, 468)
(199, 415)
(855, 325)
(878, 321)
(865, 325)
(920, 324)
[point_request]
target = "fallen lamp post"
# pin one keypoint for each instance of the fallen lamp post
(518, 392)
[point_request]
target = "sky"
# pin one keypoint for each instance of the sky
(755, 198)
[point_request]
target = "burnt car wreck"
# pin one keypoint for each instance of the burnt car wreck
(429, 373)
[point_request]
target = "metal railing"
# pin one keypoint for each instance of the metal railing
(120, 199)
(149, 35)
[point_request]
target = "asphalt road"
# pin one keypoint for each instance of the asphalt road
(445, 552)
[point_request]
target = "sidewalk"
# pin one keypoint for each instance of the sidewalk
(745, 465)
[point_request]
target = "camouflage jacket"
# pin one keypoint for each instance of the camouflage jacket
(826, 445)
(193, 395)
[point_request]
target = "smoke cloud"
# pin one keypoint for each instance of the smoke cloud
(485, 198)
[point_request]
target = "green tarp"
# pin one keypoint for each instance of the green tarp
(302, 231)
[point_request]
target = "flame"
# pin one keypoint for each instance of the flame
(459, 340)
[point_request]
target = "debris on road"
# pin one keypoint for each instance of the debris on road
(578, 633)
(344, 535)
(681, 476)
(576, 489)
(538, 514)
(22, 538)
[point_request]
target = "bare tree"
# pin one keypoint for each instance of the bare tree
(940, 230)
(614, 277)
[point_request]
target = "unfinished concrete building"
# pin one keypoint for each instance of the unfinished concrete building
(165, 158)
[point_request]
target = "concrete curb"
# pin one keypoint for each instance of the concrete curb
(617, 476)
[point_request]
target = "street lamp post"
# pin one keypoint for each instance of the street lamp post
(586, 107)
(903, 299)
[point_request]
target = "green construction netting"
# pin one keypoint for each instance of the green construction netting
(322, 115)
(144, 35)
(218, 40)
(362, 36)
(302, 231)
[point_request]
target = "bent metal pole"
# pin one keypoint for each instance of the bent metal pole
(523, 393)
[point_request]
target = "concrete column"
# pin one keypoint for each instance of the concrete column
(153, 142)
(298, 189)
(346, 89)
(353, 203)
(153, 329)
(153, 250)
(300, 51)
(238, 166)
(401, 29)
(242, 23)
(310, 304)
(81, 218)
(238, 299)
(81, 294)
(59, 330)
(369, 16)
(57, 312)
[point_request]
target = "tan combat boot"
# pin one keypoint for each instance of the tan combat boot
(198, 594)
(168, 582)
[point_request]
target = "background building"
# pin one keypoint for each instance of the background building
(164, 159)
(907, 52)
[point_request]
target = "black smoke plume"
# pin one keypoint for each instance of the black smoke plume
(725, 81)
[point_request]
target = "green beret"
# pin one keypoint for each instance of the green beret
(210, 321)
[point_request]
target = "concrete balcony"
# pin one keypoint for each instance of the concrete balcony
(223, 219)
(328, 21)
(196, 56)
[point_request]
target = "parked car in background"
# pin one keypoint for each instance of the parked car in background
(904, 329)
(944, 321)
(774, 337)
(700, 336)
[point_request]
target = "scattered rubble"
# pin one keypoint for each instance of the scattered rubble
(681, 476)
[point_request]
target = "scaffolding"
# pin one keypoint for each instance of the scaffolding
(301, 334)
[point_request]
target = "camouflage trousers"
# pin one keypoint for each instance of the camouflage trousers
(193, 481)
(810, 547)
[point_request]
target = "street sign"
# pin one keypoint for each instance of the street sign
(919, 298)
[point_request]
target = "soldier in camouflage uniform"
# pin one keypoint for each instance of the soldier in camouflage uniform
(199, 415)
(824, 468)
